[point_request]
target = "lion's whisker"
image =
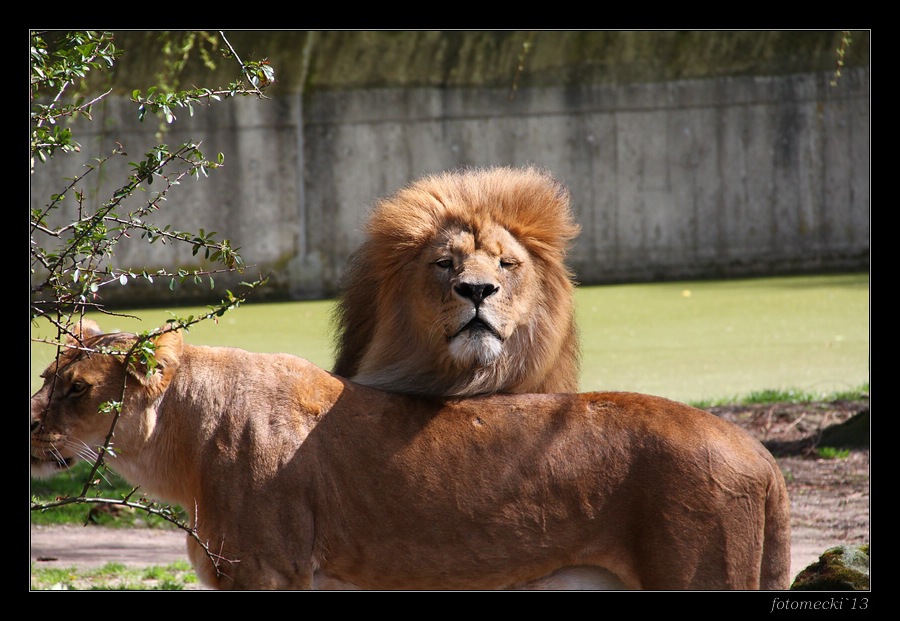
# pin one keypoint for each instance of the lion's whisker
(82, 450)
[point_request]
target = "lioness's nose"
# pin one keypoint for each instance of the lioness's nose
(475, 291)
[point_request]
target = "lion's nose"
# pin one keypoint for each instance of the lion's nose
(475, 292)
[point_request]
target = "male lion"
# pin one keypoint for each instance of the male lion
(461, 288)
(296, 478)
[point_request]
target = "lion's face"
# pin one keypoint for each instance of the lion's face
(461, 288)
(477, 291)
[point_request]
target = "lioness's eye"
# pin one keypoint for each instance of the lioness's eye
(444, 263)
(77, 388)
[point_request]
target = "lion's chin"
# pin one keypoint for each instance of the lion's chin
(475, 347)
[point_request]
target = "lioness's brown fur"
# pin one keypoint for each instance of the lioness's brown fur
(461, 288)
(303, 479)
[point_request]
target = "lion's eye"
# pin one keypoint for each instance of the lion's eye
(78, 387)
(508, 264)
(445, 264)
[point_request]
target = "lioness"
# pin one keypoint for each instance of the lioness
(301, 479)
(461, 288)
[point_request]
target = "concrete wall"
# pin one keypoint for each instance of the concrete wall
(688, 155)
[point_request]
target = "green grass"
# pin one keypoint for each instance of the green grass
(788, 396)
(300, 328)
(70, 484)
(723, 340)
(112, 576)
(830, 452)
(177, 576)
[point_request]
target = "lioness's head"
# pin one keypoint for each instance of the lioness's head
(71, 415)
(461, 288)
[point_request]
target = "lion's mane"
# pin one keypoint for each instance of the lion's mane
(382, 339)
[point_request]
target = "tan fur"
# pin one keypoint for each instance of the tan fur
(302, 479)
(435, 246)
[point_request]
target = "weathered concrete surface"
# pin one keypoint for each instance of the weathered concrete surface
(688, 154)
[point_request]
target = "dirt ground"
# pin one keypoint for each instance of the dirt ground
(829, 496)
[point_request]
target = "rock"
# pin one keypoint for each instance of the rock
(852, 433)
(843, 568)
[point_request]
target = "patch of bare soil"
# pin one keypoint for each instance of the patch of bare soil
(829, 495)
(823, 451)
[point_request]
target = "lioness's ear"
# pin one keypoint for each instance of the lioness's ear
(83, 329)
(169, 346)
(86, 328)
